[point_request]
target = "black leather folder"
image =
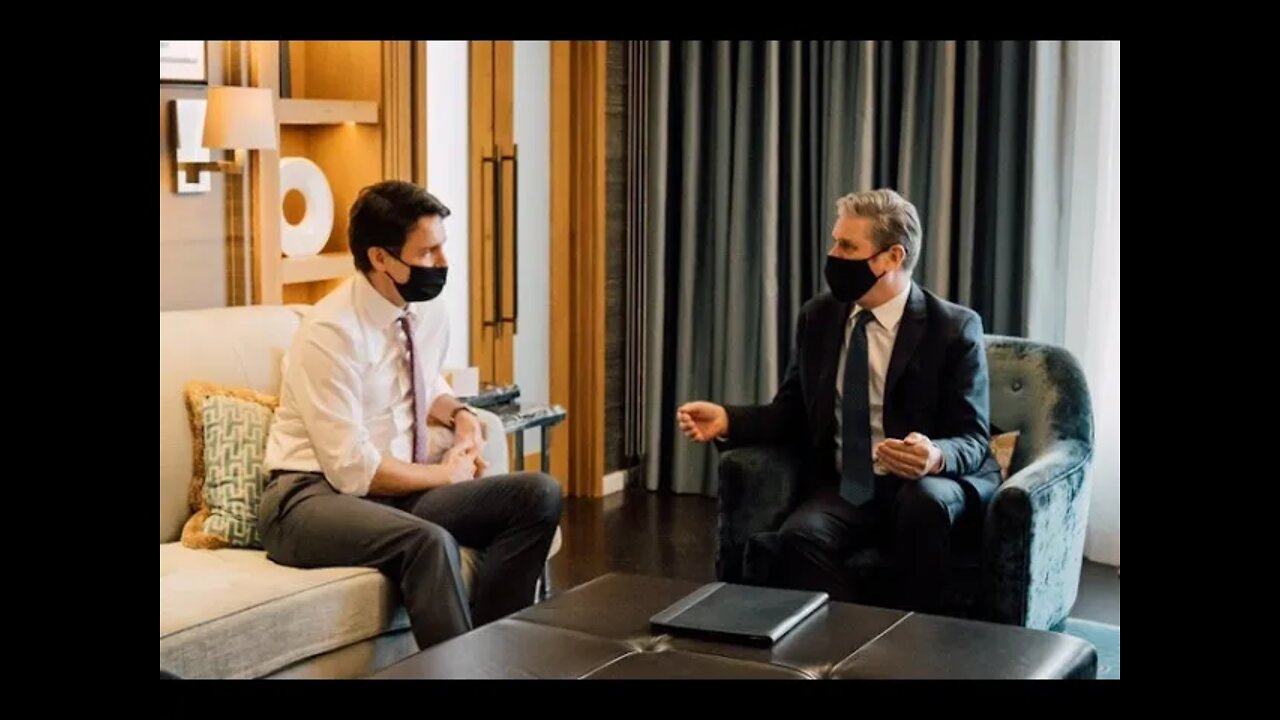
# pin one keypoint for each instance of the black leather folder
(738, 613)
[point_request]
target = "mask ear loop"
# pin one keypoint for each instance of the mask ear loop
(384, 272)
(878, 252)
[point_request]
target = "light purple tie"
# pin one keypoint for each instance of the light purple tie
(419, 394)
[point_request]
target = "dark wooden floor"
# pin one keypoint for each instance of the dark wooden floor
(666, 535)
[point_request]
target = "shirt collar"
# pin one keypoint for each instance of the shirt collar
(379, 311)
(888, 313)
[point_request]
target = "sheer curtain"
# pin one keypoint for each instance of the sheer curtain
(1074, 285)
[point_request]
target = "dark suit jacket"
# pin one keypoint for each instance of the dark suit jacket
(936, 384)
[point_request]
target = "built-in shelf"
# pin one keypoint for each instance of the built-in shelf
(325, 266)
(300, 111)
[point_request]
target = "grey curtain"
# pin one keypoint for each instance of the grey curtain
(750, 144)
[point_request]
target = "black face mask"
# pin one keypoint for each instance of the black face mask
(850, 279)
(424, 283)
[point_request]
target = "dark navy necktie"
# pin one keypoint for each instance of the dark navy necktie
(857, 480)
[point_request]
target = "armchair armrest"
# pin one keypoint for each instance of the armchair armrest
(495, 443)
(759, 486)
(1034, 538)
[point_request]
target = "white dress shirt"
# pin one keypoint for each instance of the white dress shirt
(347, 395)
(881, 334)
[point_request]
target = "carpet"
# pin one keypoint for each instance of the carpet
(1106, 638)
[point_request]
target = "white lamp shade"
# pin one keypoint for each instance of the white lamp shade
(240, 118)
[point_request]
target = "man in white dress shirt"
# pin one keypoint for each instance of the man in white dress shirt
(354, 479)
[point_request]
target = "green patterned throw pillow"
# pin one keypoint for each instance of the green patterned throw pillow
(231, 425)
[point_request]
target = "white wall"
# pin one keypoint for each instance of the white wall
(448, 105)
(533, 136)
(193, 228)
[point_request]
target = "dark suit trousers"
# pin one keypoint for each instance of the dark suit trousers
(912, 518)
(414, 540)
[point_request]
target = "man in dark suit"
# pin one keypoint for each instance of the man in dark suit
(887, 398)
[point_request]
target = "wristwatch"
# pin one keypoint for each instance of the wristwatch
(453, 419)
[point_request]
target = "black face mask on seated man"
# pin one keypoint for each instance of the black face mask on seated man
(850, 279)
(424, 283)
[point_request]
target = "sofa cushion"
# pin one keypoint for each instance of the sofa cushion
(232, 613)
(229, 438)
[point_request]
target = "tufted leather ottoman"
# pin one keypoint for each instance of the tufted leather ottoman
(601, 630)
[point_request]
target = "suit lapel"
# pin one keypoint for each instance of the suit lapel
(909, 334)
(832, 337)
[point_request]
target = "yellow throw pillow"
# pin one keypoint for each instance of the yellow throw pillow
(229, 429)
(1002, 446)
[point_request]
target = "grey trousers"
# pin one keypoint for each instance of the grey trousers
(414, 541)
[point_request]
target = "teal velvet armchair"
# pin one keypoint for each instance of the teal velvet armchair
(1022, 566)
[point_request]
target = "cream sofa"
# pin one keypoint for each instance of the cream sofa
(234, 613)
